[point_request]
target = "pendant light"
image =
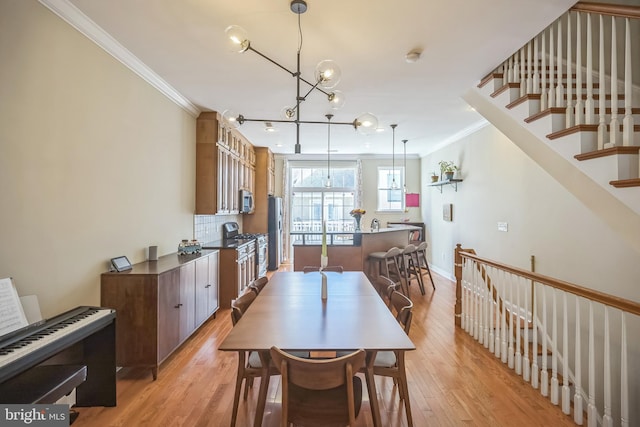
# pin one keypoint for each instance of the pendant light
(404, 173)
(328, 182)
(394, 184)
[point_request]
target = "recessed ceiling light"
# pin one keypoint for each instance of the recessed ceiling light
(413, 55)
(268, 127)
(379, 130)
(278, 145)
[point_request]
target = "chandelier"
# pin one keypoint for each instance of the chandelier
(326, 77)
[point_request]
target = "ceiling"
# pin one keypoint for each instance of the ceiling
(184, 43)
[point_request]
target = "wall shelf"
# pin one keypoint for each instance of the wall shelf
(439, 184)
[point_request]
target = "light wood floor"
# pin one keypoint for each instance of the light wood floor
(453, 381)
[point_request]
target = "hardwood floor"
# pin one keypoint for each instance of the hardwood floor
(453, 381)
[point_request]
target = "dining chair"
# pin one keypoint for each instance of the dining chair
(386, 264)
(384, 286)
(422, 263)
(408, 269)
(392, 363)
(320, 393)
(336, 268)
(259, 284)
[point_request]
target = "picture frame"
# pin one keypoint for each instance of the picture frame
(447, 212)
(121, 263)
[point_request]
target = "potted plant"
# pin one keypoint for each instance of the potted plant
(447, 168)
(434, 177)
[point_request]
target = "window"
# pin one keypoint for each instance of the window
(312, 202)
(389, 198)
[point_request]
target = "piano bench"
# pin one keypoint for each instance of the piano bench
(43, 384)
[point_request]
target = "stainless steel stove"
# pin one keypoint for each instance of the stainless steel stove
(230, 231)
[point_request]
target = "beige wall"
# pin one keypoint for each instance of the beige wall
(501, 184)
(94, 162)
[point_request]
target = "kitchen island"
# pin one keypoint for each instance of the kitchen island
(351, 253)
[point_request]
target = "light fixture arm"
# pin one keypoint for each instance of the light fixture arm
(329, 117)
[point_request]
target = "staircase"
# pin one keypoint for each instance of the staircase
(562, 100)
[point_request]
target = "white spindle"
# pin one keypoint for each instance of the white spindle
(492, 313)
(544, 373)
(510, 70)
(543, 82)
(518, 321)
(486, 299)
(627, 122)
(536, 67)
(607, 420)
(577, 396)
(614, 125)
(551, 98)
(554, 349)
(526, 368)
(516, 66)
(463, 296)
(559, 86)
(570, 104)
(589, 113)
(510, 361)
(592, 411)
(535, 371)
(602, 126)
(624, 382)
(504, 331)
(498, 337)
(579, 109)
(523, 72)
(530, 68)
(566, 393)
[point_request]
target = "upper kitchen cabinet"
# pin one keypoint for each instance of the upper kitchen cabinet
(264, 187)
(225, 164)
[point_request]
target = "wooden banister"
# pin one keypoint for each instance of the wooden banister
(623, 11)
(610, 300)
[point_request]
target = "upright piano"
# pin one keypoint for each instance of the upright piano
(76, 347)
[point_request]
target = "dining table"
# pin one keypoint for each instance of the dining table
(290, 313)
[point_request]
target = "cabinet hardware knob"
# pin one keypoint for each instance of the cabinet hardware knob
(178, 306)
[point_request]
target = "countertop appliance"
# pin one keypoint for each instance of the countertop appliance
(246, 201)
(231, 233)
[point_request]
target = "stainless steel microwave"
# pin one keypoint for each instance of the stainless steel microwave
(246, 201)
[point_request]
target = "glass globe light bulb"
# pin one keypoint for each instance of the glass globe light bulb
(230, 117)
(238, 38)
(328, 74)
(336, 100)
(366, 124)
(288, 113)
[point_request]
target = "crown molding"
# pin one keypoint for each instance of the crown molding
(81, 22)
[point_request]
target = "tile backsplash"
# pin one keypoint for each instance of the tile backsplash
(207, 228)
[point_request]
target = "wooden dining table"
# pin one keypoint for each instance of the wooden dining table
(290, 314)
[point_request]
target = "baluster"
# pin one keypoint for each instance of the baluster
(544, 373)
(607, 420)
(465, 297)
(570, 104)
(512, 320)
(592, 411)
(526, 371)
(491, 314)
(498, 337)
(536, 67)
(485, 310)
(476, 302)
(523, 72)
(510, 70)
(463, 321)
(503, 352)
(589, 113)
(614, 125)
(551, 101)
(566, 396)
(602, 126)
(627, 122)
(577, 396)
(518, 321)
(559, 86)
(543, 82)
(554, 349)
(624, 382)
(530, 69)
(579, 110)
(534, 363)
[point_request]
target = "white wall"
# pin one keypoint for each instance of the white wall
(94, 162)
(544, 220)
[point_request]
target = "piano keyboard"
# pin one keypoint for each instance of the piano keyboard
(48, 339)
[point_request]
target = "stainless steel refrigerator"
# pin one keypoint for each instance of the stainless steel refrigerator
(275, 232)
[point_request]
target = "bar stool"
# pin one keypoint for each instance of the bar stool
(408, 269)
(387, 264)
(421, 256)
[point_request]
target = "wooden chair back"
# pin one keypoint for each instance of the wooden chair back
(240, 305)
(403, 307)
(385, 286)
(259, 284)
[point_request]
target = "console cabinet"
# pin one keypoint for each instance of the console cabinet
(159, 304)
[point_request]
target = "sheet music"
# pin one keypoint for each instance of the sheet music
(11, 314)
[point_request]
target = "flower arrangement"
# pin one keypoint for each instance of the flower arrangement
(357, 213)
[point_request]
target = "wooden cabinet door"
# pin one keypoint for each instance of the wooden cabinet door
(187, 300)
(168, 312)
(213, 302)
(202, 289)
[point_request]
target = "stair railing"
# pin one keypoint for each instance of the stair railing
(538, 69)
(527, 326)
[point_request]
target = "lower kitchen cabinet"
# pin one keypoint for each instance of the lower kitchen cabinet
(238, 272)
(159, 304)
